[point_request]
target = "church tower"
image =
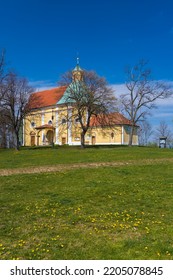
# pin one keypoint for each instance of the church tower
(77, 73)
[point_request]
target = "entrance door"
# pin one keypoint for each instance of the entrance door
(32, 140)
(93, 140)
(49, 137)
(63, 140)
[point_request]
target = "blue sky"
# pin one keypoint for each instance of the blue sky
(42, 39)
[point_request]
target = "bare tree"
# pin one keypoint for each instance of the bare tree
(3, 129)
(89, 95)
(163, 131)
(142, 94)
(144, 132)
(3, 74)
(15, 104)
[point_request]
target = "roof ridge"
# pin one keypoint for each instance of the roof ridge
(49, 89)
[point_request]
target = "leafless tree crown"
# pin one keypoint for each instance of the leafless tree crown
(90, 96)
(142, 92)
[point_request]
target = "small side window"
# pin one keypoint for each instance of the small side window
(63, 121)
(33, 124)
(50, 122)
(77, 120)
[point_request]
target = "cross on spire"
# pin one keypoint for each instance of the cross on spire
(77, 59)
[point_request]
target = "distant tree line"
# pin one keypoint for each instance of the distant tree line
(150, 137)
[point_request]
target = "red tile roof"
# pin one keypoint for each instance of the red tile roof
(45, 126)
(109, 119)
(46, 98)
(50, 97)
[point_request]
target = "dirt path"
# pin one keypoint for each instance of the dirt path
(64, 167)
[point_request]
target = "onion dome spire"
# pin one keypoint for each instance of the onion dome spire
(77, 72)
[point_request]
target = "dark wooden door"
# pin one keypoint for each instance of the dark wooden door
(32, 140)
(63, 140)
(93, 140)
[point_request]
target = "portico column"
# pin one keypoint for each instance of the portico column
(56, 128)
(42, 123)
(122, 135)
(69, 126)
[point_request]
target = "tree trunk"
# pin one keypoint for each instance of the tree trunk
(83, 139)
(17, 145)
(3, 138)
(131, 135)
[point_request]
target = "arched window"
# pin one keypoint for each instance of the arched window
(50, 122)
(112, 135)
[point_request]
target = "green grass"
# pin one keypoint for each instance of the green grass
(104, 213)
(60, 155)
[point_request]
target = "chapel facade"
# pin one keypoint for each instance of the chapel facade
(48, 121)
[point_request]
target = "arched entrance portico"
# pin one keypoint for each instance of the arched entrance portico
(49, 132)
